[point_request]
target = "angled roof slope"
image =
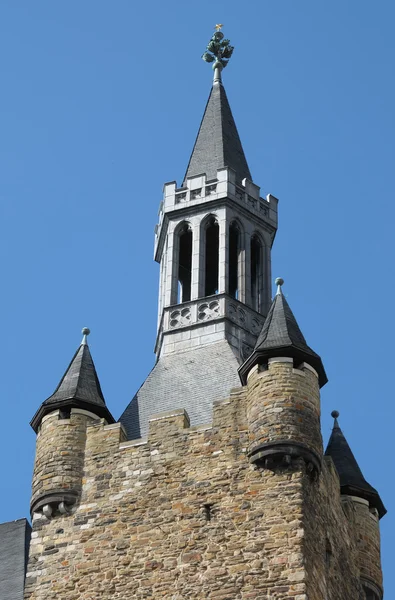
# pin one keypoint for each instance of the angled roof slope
(218, 143)
(192, 380)
(79, 387)
(352, 481)
(281, 336)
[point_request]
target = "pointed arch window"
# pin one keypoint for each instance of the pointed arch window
(256, 272)
(211, 257)
(234, 260)
(184, 263)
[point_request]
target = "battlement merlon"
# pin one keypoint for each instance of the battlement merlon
(200, 191)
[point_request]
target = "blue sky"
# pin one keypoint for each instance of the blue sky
(100, 105)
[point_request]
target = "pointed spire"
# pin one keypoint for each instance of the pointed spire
(281, 336)
(352, 481)
(218, 143)
(78, 388)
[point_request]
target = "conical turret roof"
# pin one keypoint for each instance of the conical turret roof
(352, 481)
(218, 143)
(281, 336)
(79, 387)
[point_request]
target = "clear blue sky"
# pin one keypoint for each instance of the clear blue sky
(100, 105)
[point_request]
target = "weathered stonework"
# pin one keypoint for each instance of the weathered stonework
(185, 514)
(59, 462)
(283, 410)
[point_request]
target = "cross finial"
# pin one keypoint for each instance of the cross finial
(85, 332)
(218, 52)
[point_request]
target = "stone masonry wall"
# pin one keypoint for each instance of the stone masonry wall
(367, 535)
(60, 454)
(283, 403)
(331, 552)
(185, 515)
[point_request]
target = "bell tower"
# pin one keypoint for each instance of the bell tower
(214, 237)
(213, 244)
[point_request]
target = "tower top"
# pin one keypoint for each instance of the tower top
(281, 336)
(218, 143)
(78, 388)
(352, 481)
(218, 52)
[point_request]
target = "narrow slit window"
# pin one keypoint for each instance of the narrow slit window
(256, 273)
(234, 250)
(185, 265)
(212, 258)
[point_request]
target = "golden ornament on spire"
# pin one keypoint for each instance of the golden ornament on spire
(219, 26)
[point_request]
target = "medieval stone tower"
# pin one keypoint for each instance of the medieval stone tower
(214, 482)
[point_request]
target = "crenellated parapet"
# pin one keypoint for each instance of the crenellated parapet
(207, 194)
(159, 513)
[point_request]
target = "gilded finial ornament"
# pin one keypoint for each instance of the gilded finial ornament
(218, 50)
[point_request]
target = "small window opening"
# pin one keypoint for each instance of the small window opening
(234, 249)
(185, 265)
(208, 511)
(328, 554)
(212, 256)
(64, 413)
(256, 273)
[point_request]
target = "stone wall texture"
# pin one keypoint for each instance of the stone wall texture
(60, 455)
(184, 514)
(367, 535)
(283, 404)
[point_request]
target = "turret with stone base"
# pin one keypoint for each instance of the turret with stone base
(283, 377)
(60, 424)
(364, 508)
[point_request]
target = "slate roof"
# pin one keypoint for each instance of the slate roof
(217, 144)
(281, 336)
(79, 387)
(192, 380)
(352, 481)
(14, 548)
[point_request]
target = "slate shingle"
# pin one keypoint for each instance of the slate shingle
(79, 387)
(352, 481)
(14, 547)
(218, 143)
(281, 336)
(192, 380)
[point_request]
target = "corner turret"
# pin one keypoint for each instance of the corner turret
(60, 424)
(367, 509)
(78, 388)
(283, 376)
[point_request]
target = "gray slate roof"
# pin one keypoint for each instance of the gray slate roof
(14, 548)
(79, 387)
(352, 481)
(80, 380)
(217, 144)
(191, 380)
(281, 336)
